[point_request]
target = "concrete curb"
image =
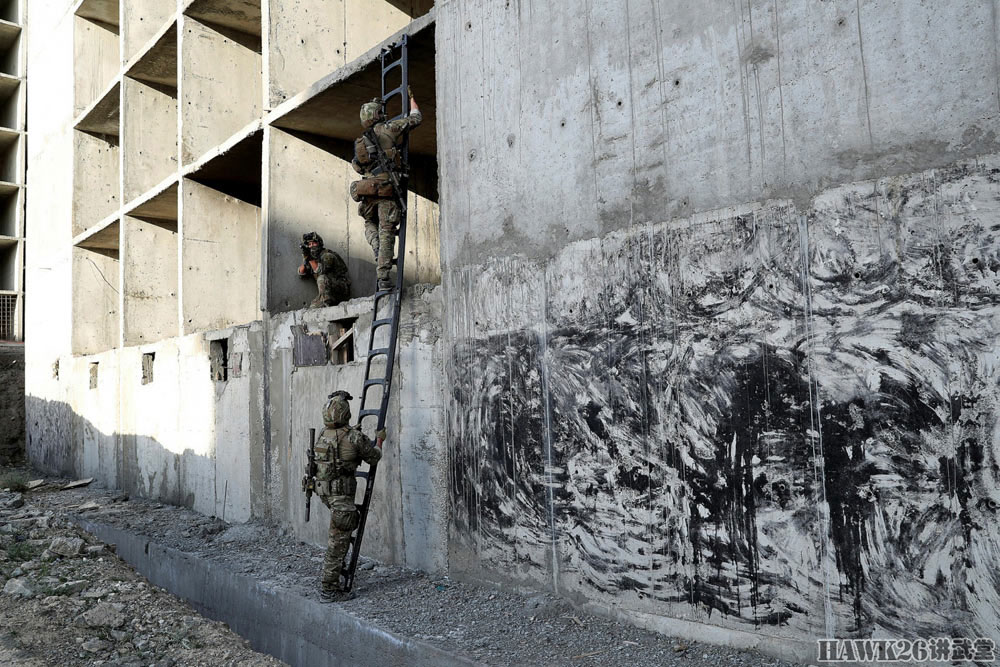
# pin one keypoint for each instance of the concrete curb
(290, 627)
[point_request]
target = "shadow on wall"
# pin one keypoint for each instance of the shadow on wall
(11, 403)
(63, 442)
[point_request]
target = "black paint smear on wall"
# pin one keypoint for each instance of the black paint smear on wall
(685, 459)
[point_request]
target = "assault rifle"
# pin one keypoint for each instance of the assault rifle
(309, 481)
(387, 167)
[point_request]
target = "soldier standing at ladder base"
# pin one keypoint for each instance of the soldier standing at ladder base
(375, 192)
(338, 452)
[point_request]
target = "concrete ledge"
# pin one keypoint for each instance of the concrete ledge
(292, 628)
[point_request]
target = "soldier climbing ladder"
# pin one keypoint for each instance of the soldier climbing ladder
(385, 311)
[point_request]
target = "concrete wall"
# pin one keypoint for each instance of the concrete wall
(709, 285)
(220, 259)
(309, 38)
(408, 523)
(96, 326)
(220, 88)
(150, 281)
(149, 134)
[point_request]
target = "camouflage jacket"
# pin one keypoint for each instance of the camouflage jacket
(390, 136)
(329, 264)
(339, 452)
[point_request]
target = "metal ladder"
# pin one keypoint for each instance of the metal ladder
(385, 312)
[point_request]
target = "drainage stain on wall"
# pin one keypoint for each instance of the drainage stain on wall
(761, 418)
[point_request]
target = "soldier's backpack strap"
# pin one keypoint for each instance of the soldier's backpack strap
(338, 472)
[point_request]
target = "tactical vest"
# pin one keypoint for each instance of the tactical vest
(334, 476)
(366, 153)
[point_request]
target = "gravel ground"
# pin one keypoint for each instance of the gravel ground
(69, 600)
(493, 626)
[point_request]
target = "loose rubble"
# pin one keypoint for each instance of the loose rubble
(68, 600)
(495, 627)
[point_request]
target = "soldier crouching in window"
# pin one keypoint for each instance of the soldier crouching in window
(328, 268)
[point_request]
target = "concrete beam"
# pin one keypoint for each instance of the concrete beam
(104, 12)
(104, 115)
(239, 15)
(235, 171)
(157, 64)
(103, 236)
(162, 205)
(143, 20)
(330, 107)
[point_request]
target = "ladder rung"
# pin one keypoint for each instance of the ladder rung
(372, 383)
(381, 323)
(377, 351)
(368, 413)
(363, 474)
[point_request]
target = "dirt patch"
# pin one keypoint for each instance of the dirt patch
(11, 403)
(67, 599)
(496, 627)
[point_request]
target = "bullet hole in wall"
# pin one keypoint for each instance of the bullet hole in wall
(55, 370)
(677, 82)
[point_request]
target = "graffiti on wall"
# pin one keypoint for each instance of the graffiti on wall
(763, 418)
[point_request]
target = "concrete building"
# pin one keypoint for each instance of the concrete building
(12, 147)
(702, 321)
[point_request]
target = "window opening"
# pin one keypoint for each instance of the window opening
(219, 359)
(147, 367)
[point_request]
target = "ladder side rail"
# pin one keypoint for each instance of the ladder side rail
(369, 475)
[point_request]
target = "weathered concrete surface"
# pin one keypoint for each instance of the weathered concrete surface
(149, 135)
(96, 49)
(141, 20)
(292, 628)
(220, 259)
(95, 309)
(150, 280)
(96, 173)
(310, 38)
(11, 403)
(692, 373)
(643, 113)
(220, 87)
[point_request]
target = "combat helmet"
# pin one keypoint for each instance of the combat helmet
(371, 113)
(337, 412)
(313, 236)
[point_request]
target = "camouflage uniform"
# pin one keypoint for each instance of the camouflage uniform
(332, 282)
(340, 448)
(381, 214)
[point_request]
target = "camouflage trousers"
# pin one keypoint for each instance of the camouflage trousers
(381, 220)
(331, 291)
(342, 524)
